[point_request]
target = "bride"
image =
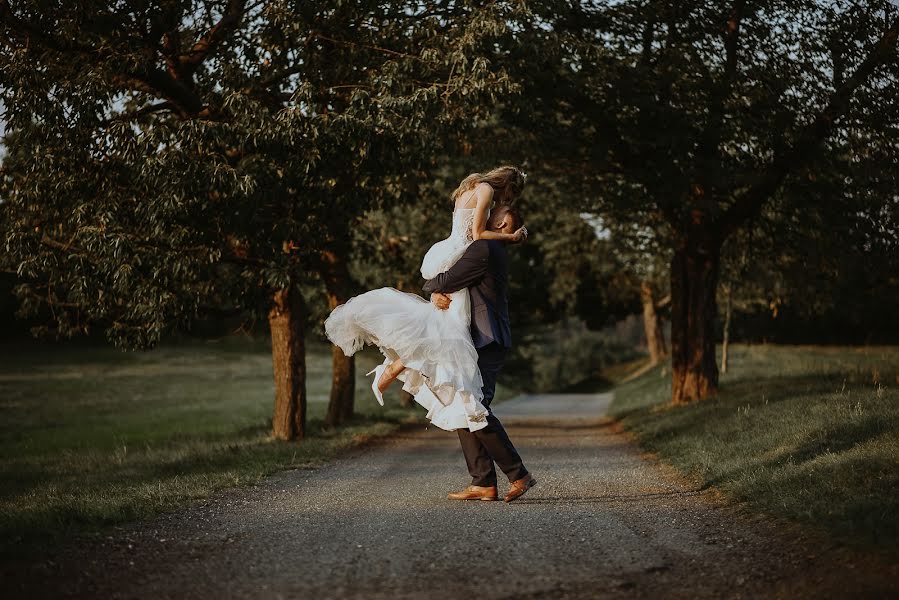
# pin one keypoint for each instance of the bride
(428, 349)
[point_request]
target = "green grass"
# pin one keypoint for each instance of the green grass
(90, 436)
(807, 433)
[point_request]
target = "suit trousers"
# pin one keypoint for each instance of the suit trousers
(491, 444)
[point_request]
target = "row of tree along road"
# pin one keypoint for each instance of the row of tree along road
(165, 162)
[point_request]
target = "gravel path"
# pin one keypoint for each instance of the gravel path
(604, 522)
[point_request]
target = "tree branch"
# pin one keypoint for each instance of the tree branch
(136, 114)
(205, 45)
(185, 99)
(161, 84)
(368, 46)
(810, 139)
(50, 300)
(667, 202)
(664, 302)
(731, 42)
(839, 63)
(48, 241)
(711, 138)
(149, 80)
(21, 28)
(648, 35)
(273, 78)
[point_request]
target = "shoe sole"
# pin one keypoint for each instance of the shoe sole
(470, 499)
(530, 485)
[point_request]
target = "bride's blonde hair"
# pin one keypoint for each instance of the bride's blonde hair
(507, 183)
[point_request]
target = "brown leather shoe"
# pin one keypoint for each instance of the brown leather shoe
(519, 487)
(475, 492)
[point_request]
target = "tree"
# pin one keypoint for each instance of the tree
(644, 258)
(175, 160)
(692, 117)
(790, 278)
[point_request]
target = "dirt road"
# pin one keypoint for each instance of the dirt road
(604, 522)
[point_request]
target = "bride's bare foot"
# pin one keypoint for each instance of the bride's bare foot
(390, 373)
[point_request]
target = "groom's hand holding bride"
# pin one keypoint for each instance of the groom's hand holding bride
(441, 301)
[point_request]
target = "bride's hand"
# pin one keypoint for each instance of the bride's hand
(520, 234)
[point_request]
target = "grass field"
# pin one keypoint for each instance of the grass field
(808, 433)
(90, 436)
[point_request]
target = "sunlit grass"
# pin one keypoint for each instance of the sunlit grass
(805, 432)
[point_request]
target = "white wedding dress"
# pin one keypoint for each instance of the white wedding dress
(435, 345)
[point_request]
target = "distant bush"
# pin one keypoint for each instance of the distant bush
(558, 356)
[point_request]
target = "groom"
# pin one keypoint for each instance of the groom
(483, 269)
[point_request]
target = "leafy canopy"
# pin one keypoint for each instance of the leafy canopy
(176, 159)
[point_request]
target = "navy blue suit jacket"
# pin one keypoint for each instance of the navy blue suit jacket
(484, 270)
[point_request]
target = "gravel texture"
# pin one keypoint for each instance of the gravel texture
(604, 521)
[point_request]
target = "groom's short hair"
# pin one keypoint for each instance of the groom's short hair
(502, 210)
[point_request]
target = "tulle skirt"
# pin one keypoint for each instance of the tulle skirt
(441, 363)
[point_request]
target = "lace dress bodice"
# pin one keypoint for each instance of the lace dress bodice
(463, 222)
(445, 253)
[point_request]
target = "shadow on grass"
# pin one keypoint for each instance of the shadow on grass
(694, 418)
(839, 439)
(47, 501)
(783, 386)
(818, 444)
(834, 443)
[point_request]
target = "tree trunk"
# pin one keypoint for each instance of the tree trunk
(286, 323)
(655, 340)
(336, 276)
(727, 310)
(343, 385)
(694, 282)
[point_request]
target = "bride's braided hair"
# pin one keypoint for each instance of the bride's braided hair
(507, 183)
